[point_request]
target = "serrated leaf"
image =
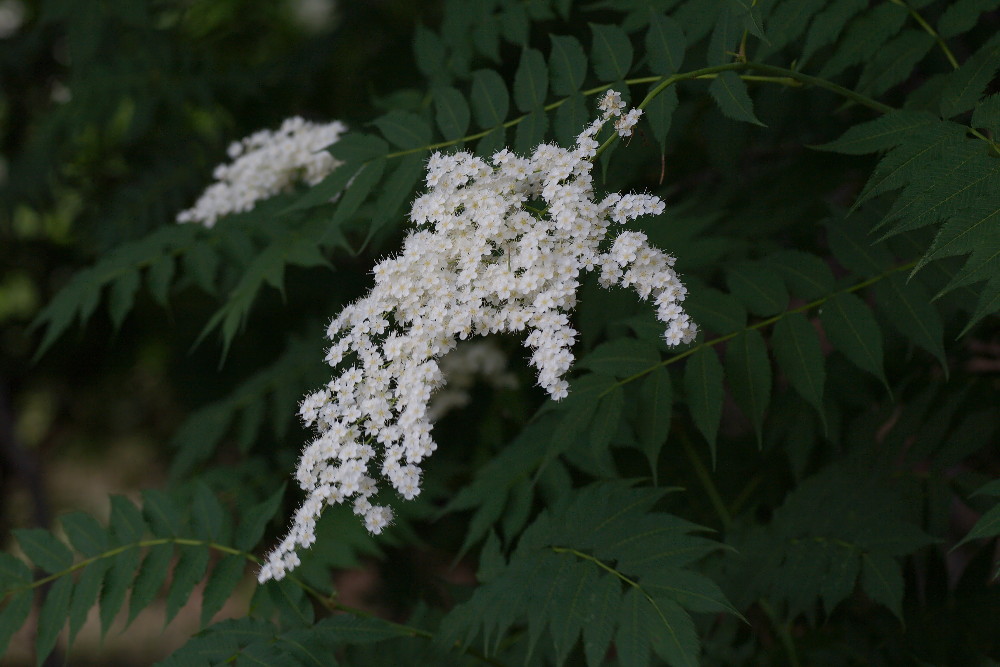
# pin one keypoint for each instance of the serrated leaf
(851, 327)
(796, 347)
(490, 100)
(567, 65)
(758, 287)
(226, 574)
(966, 85)
(632, 639)
(725, 37)
(807, 276)
(358, 147)
(621, 358)
(451, 112)
(884, 132)
(122, 296)
(531, 131)
(13, 573)
(882, 581)
(611, 52)
(749, 373)
(359, 190)
(962, 15)
(163, 517)
(597, 633)
(397, 188)
(207, 513)
(655, 412)
(864, 36)
(730, 93)
(908, 308)
(988, 303)
(15, 614)
(531, 81)
(116, 584)
(665, 44)
(84, 532)
(255, 521)
(404, 129)
(703, 392)
(127, 525)
(149, 580)
(828, 24)
(893, 63)
(189, 570)
(715, 310)
(159, 277)
(52, 617)
(201, 263)
(571, 116)
(854, 250)
(660, 112)
(987, 114)
(43, 549)
(604, 424)
(85, 593)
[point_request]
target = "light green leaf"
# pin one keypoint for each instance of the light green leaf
(796, 347)
(730, 93)
(611, 52)
(703, 391)
(531, 81)
(567, 65)
(749, 373)
(851, 327)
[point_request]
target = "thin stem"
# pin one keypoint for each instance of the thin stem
(706, 481)
(783, 634)
(929, 29)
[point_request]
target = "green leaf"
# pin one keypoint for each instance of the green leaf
(159, 277)
(759, 287)
(725, 37)
(621, 358)
(161, 514)
(665, 44)
(404, 129)
(864, 37)
(749, 373)
(893, 63)
(201, 262)
(851, 327)
(703, 391)
(43, 549)
(730, 93)
(660, 113)
(611, 52)
(605, 601)
(851, 246)
(655, 411)
(490, 101)
(987, 114)
(828, 24)
(85, 593)
(571, 117)
(882, 581)
(127, 524)
(15, 614)
(963, 15)
(988, 303)
(116, 584)
(355, 195)
(355, 148)
(123, 296)
(451, 112)
(84, 532)
(226, 574)
(884, 132)
(632, 640)
(207, 514)
(966, 85)
(149, 580)
(429, 51)
(715, 310)
(796, 347)
(531, 81)
(52, 617)
(567, 65)
(806, 276)
(908, 308)
(190, 569)
(604, 423)
(256, 520)
(531, 131)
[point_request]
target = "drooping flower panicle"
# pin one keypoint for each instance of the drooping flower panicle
(480, 261)
(265, 164)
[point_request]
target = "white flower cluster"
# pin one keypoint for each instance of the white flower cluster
(461, 367)
(481, 261)
(265, 164)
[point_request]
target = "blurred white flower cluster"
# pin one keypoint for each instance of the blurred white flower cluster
(482, 260)
(265, 164)
(470, 361)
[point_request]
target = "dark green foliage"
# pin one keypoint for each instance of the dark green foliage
(831, 170)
